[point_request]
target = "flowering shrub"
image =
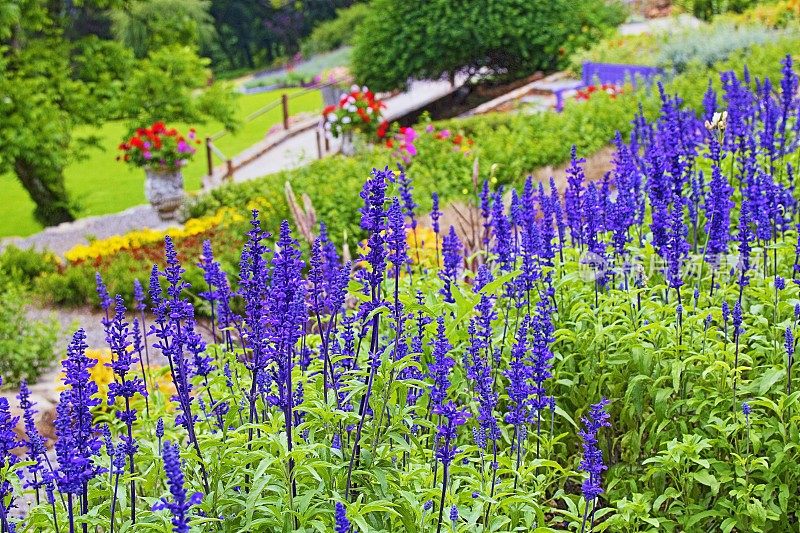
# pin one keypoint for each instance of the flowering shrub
(159, 147)
(619, 358)
(139, 238)
(123, 259)
(357, 112)
(403, 146)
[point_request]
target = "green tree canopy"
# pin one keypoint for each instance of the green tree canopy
(147, 25)
(435, 38)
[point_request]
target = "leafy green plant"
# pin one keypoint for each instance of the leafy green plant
(708, 46)
(26, 346)
(24, 266)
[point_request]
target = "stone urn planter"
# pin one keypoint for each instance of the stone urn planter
(348, 147)
(164, 190)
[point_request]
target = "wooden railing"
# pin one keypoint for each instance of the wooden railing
(283, 102)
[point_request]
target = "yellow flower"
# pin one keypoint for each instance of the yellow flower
(100, 374)
(158, 382)
(139, 238)
(422, 246)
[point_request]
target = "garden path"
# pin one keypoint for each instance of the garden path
(301, 148)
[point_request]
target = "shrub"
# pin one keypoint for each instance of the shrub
(436, 38)
(778, 14)
(24, 266)
(26, 346)
(335, 33)
(711, 46)
(707, 9)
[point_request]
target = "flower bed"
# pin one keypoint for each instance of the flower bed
(605, 361)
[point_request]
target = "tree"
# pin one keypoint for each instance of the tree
(509, 38)
(50, 84)
(147, 25)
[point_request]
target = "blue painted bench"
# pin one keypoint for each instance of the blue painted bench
(613, 73)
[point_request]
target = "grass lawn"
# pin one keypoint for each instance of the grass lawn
(101, 184)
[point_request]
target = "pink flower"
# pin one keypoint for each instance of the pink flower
(411, 149)
(147, 145)
(183, 147)
(410, 135)
(147, 155)
(444, 134)
(429, 128)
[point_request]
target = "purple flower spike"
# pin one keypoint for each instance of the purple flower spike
(340, 516)
(592, 462)
(452, 263)
(181, 503)
(78, 441)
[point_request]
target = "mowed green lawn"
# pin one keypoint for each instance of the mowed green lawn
(101, 184)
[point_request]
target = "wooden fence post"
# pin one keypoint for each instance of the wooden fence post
(209, 158)
(229, 172)
(285, 105)
(319, 145)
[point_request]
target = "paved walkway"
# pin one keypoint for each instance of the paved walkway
(301, 148)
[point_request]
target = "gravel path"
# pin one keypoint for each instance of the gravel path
(59, 239)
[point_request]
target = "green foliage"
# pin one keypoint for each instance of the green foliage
(72, 287)
(51, 83)
(145, 26)
(431, 39)
(335, 33)
(706, 9)
(22, 267)
(709, 46)
(163, 88)
(26, 346)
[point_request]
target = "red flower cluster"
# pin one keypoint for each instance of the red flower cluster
(159, 147)
(357, 110)
(608, 88)
(383, 128)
